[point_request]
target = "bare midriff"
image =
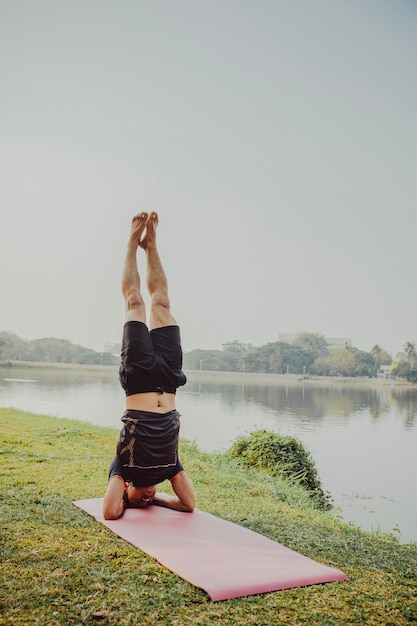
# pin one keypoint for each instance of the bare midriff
(151, 401)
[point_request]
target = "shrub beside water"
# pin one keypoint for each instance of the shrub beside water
(282, 456)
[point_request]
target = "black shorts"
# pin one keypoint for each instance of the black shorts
(151, 360)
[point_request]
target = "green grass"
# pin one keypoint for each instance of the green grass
(60, 567)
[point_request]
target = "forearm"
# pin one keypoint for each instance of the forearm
(113, 505)
(113, 511)
(170, 502)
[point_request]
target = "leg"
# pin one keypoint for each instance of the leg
(134, 304)
(160, 314)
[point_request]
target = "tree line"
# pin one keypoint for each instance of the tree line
(50, 350)
(309, 354)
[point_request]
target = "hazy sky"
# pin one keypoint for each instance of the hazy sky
(277, 139)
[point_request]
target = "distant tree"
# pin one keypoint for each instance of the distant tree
(202, 359)
(376, 352)
(233, 356)
(51, 350)
(345, 362)
(234, 346)
(410, 353)
(339, 362)
(278, 358)
(363, 363)
(259, 359)
(407, 366)
(380, 357)
(312, 343)
(12, 346)
(406, 371)
(385, 358)
(295, 359)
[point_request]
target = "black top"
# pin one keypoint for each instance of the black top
(147, 450)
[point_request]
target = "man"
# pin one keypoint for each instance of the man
(150, 372)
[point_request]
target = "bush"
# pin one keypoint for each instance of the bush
(281, 456)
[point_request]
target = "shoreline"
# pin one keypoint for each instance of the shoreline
(11, 365)
(294, 379)
(230, 377)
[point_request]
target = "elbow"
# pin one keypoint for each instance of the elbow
(110, 513)
(187, 508)
(109, 516)
(189, 505)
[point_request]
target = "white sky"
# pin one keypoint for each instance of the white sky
(277, 139)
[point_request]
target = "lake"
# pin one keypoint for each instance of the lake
(362, 436)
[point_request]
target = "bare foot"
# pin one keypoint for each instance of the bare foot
(138, 226)
(150, 236)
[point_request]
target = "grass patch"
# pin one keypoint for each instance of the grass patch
(61, 567)
(282, 456)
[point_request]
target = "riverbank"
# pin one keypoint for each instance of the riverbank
(11, 365)
(295, 379)
(64, 568)
(232, 377)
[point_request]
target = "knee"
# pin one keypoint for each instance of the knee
(161, 300)
(133, 300)
(161, 311)
(135, 306)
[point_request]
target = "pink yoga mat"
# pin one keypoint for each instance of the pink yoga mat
(224, 559)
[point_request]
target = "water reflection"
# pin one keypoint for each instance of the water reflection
(406, 403)
(313, 401)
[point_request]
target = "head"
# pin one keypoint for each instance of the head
(139, 497)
